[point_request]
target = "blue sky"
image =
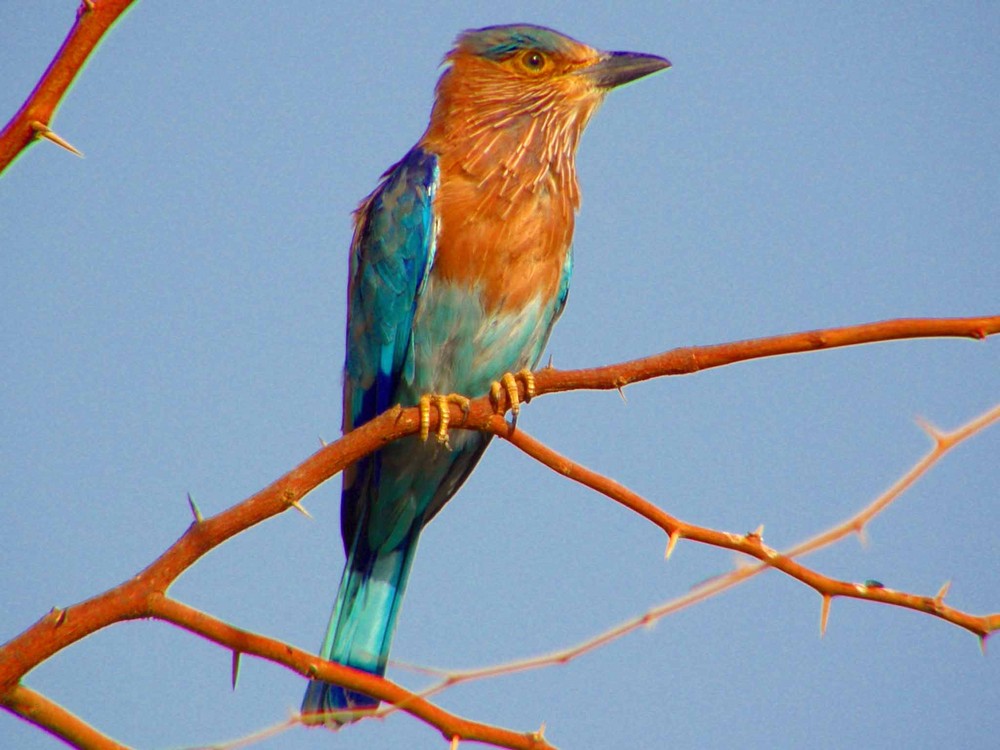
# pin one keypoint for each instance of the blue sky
(173, 312)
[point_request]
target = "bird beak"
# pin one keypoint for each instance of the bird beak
(618, 68)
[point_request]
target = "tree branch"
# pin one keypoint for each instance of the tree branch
(688, 360)
(144, 595)
(310, 665)
(752, 543)
(56, 720)
(943, 442)
(32, 121)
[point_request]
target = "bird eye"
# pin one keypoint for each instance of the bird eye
(533, 60)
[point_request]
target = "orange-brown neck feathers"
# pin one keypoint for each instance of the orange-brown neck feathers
(511, 120)
(507, 118)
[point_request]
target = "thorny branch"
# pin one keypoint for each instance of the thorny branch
(750, 544)
(33, 119)
(145, 594)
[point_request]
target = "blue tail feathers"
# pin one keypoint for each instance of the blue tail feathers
(363, 621)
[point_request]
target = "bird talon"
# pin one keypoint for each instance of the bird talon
(425, 417)
(443, 405)
(495, 396)
(508, 384)
(528, 378)
(444, 417)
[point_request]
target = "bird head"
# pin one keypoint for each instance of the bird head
(537, 57)
(519, 96)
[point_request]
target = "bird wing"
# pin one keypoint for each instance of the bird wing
(392, 252)
(395, 237)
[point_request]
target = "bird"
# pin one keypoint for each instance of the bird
(460, 264)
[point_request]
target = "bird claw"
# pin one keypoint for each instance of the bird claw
(443, 405)
(508, 384)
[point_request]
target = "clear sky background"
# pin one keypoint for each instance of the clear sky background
(172, 313)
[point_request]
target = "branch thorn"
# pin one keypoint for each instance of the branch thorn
(43, 131)
(862, 532)
(300, 509)
(932, 432)
(58, 615)
(236, 668)
(198, 518)
(671, 543)
(824, 614)
(942, 593)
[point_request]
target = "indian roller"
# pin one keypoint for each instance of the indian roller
(459, 267)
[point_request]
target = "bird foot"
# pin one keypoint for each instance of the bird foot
(443, 405)
(508, 385)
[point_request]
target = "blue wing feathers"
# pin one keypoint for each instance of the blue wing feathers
(390, 258)
(392, 253)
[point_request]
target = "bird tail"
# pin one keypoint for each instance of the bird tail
(363, 621)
